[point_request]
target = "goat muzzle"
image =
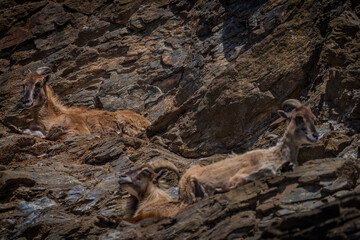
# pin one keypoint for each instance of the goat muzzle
(124, 180)
(26, 102)
(314, 138)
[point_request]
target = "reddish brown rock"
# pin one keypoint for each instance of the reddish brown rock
(15, 36)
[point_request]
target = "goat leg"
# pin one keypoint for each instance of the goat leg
(15, 129)
(12, 127)
(106, 221)
(34, 133)
(114, 221)
(221, 190)
(137, 218)
(237, 180)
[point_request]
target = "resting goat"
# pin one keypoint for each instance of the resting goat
(236, 170)
(59, 122)
(143, 185)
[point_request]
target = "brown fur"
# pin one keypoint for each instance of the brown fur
(60, 122)
(143, 184)
(236, 170)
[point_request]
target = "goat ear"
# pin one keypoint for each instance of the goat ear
(161, 174)
(46, 79)
(283, 114)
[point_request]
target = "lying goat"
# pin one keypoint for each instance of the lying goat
(236, 170)
(59, 122)
(149, 199)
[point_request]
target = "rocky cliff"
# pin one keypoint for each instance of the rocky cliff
(210, 76)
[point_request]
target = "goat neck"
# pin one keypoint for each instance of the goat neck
(153, 195)
(287, 148)
(49, 109)
(153, 192)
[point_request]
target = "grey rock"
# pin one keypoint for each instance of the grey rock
(9, 181)
(108, 151)
(301, 194)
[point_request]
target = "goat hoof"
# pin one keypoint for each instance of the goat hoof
(217, 190)
(220, 190)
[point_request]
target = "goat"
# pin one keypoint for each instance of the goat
(236, 170)
(149, 200)
(57, 121)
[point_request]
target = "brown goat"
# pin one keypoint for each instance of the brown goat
(236, 170)
(59, 122)
(143, 185)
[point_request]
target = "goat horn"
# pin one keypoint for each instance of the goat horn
(41, 70)
(163, 164)
(292, 103)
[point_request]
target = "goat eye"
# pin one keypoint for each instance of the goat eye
(38, 84)
(299, 119)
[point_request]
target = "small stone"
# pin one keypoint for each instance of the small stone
(309, 179)
(300, 195)
(173, 59)
(342, 193)
(310, 152)
(337, 185)
(336, 142)
(23, 55)
(4, 66)
(284, 212)
(15, 36)
(136, 23)
(265, 208)
(6, 207)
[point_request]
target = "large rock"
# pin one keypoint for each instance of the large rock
(48, 19)
(9, 181)
(342, 88)
(21, 148)
(229, 112)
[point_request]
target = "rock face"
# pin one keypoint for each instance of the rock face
(210, 76)
(281, 207)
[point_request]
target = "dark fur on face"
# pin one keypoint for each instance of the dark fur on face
(34, 90)
(303, 122)
(138, 181)
(135, 181)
